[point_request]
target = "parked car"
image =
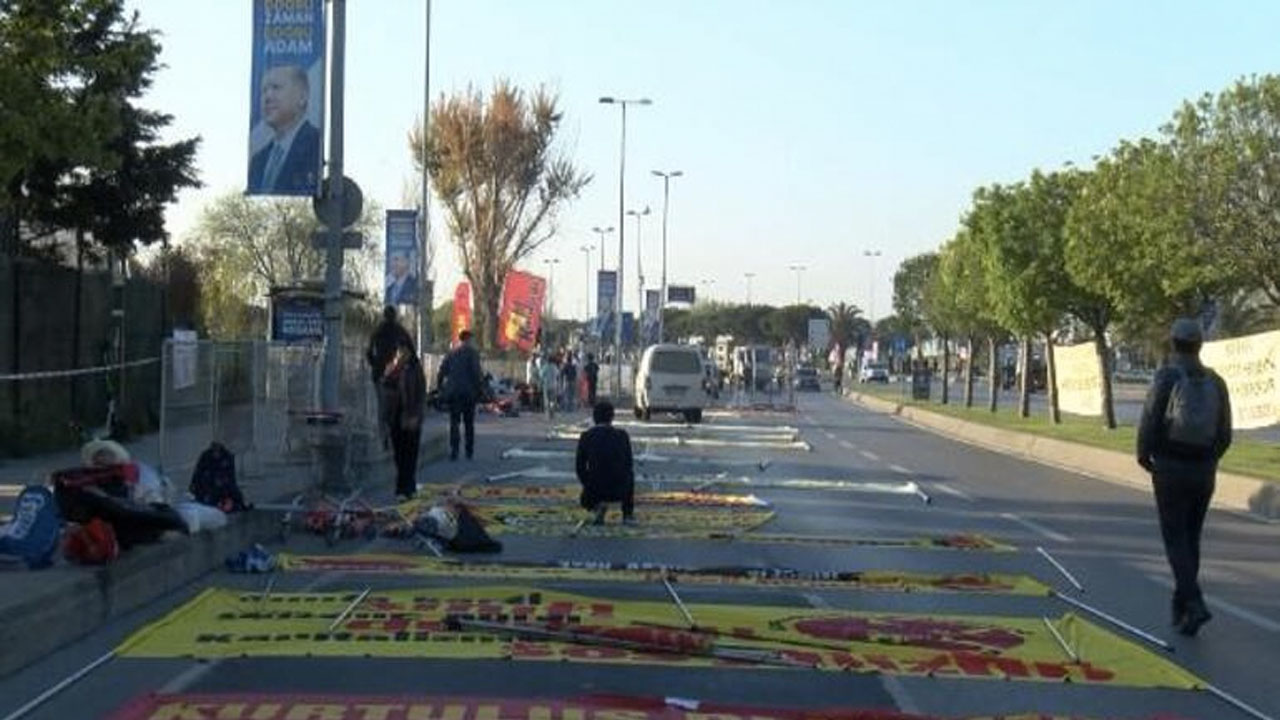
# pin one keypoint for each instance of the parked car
(670, 379)
(874, 374)
(807, 379)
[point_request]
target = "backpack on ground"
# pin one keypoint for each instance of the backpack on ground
(35, 530)
(214, 483)
(1191, 416)
(91, 543)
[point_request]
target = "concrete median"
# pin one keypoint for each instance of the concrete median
(1234, 492)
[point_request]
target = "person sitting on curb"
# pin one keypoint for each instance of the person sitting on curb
(605, 466)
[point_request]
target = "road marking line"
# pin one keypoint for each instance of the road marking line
(848, 445)
(1248, 616)
(900, 469)
(1037, 527)
(189, 677)
(955, 492)
(869, 455)
(817, 601)
(830, 435)
(898, 692)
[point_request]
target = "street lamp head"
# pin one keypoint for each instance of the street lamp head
(607, 101)
(644, 101)
(677, 173)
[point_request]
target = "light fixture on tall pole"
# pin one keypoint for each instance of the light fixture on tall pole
(706, 288)
(622, 201)
(639, 255)
(427, 285)
(798, 270)
(602, 232)
(748, 276)
(551, 264)
(666, 201)
(873, 254)
(586, 294)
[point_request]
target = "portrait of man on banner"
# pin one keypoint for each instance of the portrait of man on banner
(402, 258)
(286, 124)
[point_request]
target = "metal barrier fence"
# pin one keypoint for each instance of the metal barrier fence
(261, 400)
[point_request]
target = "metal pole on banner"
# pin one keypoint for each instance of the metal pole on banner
(331, 373)
(666, 201)
(426, 287)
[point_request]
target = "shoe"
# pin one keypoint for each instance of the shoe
(630, 520)
(1197, 615)
(600, 513)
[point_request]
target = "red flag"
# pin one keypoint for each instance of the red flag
(522, 298)
(461, 311)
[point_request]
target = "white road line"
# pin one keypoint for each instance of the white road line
(189, 677)
(901, 470)
(898, 692)
(830, 435)
(869, 455)
(1037, 527)
(848, 445)
(817, 601)
(1229, 608)
(953, 491)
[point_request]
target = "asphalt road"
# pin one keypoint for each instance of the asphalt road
(1105, 535)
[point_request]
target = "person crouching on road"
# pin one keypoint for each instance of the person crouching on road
(404, 394)
(1185, 430)
(605, 466)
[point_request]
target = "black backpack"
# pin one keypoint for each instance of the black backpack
(1191, 416)
(214, 481)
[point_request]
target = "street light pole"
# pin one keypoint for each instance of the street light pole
(873, 254)
(666, 201)
(551, 281)
(586, 298)
(425, 301)
(639, 263)
(748, 276)
(602, 232)
(799, 270)
(622, 193)
(331, 369)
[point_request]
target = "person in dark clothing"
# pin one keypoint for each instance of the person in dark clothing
(569, 383)
(592, 372)
(605, 467)
(403, 396)
(461, 381)
(1185, 430)
(383, 343)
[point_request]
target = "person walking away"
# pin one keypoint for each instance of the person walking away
(569, 383)
(404, 396)
(605, 466)
(592, 372)
(548, 376)
(461, 380)
(1185, 430)
(383, 343)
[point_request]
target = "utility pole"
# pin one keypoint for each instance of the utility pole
(666, 201)
(331, 372)
(427, 286)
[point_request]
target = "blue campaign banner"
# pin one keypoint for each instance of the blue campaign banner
(606, 292)
(402, 258)
(286, 117)
(297, 319)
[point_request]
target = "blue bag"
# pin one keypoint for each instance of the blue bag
(35, 530)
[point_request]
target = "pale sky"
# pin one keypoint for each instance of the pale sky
(809, 132)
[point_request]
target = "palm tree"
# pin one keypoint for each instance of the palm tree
(846, 320)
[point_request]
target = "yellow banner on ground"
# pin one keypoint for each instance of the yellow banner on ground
(568, 493)
(882, 580)
(439, 624)
(1079, 379)
(651, 522)
(1251, 368)
(949, 542)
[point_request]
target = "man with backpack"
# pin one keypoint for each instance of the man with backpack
(1185, 430)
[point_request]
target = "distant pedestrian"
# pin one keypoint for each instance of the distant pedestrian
(1185, 430)
(461, 382)
(605, 466)
(569, 383)
(383, 343)
(592, 372)
(403, 388)
(548, 377)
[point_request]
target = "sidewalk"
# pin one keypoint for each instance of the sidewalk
(43, 610)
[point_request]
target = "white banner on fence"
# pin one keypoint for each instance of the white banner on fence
(1079, 379)
(1251, 367)
(184, 359)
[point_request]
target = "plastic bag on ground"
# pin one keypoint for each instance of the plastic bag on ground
(199, 517)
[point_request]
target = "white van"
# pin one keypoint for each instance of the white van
(670, 380)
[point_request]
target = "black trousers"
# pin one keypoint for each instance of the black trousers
(595, 493)
(404, 446)
(591, 393)
(1182, 500)
(464, 412)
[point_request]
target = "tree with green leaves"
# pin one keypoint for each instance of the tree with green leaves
(494, 166)
(962, 267)
(909, 283)
(247, 246)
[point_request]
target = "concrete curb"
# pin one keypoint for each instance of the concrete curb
(73, 602)
(1234, 492)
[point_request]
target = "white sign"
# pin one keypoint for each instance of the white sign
(184, 359)
(1251, 368)
(819, 333)
(1079, 377)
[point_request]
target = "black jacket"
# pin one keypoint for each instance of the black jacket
(1153, 443)
(382, 346)
(461, 378)
(604, 465)
(299, 171)
(404, 395)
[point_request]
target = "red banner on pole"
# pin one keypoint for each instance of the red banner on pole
(521, 316)
(461, 311)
